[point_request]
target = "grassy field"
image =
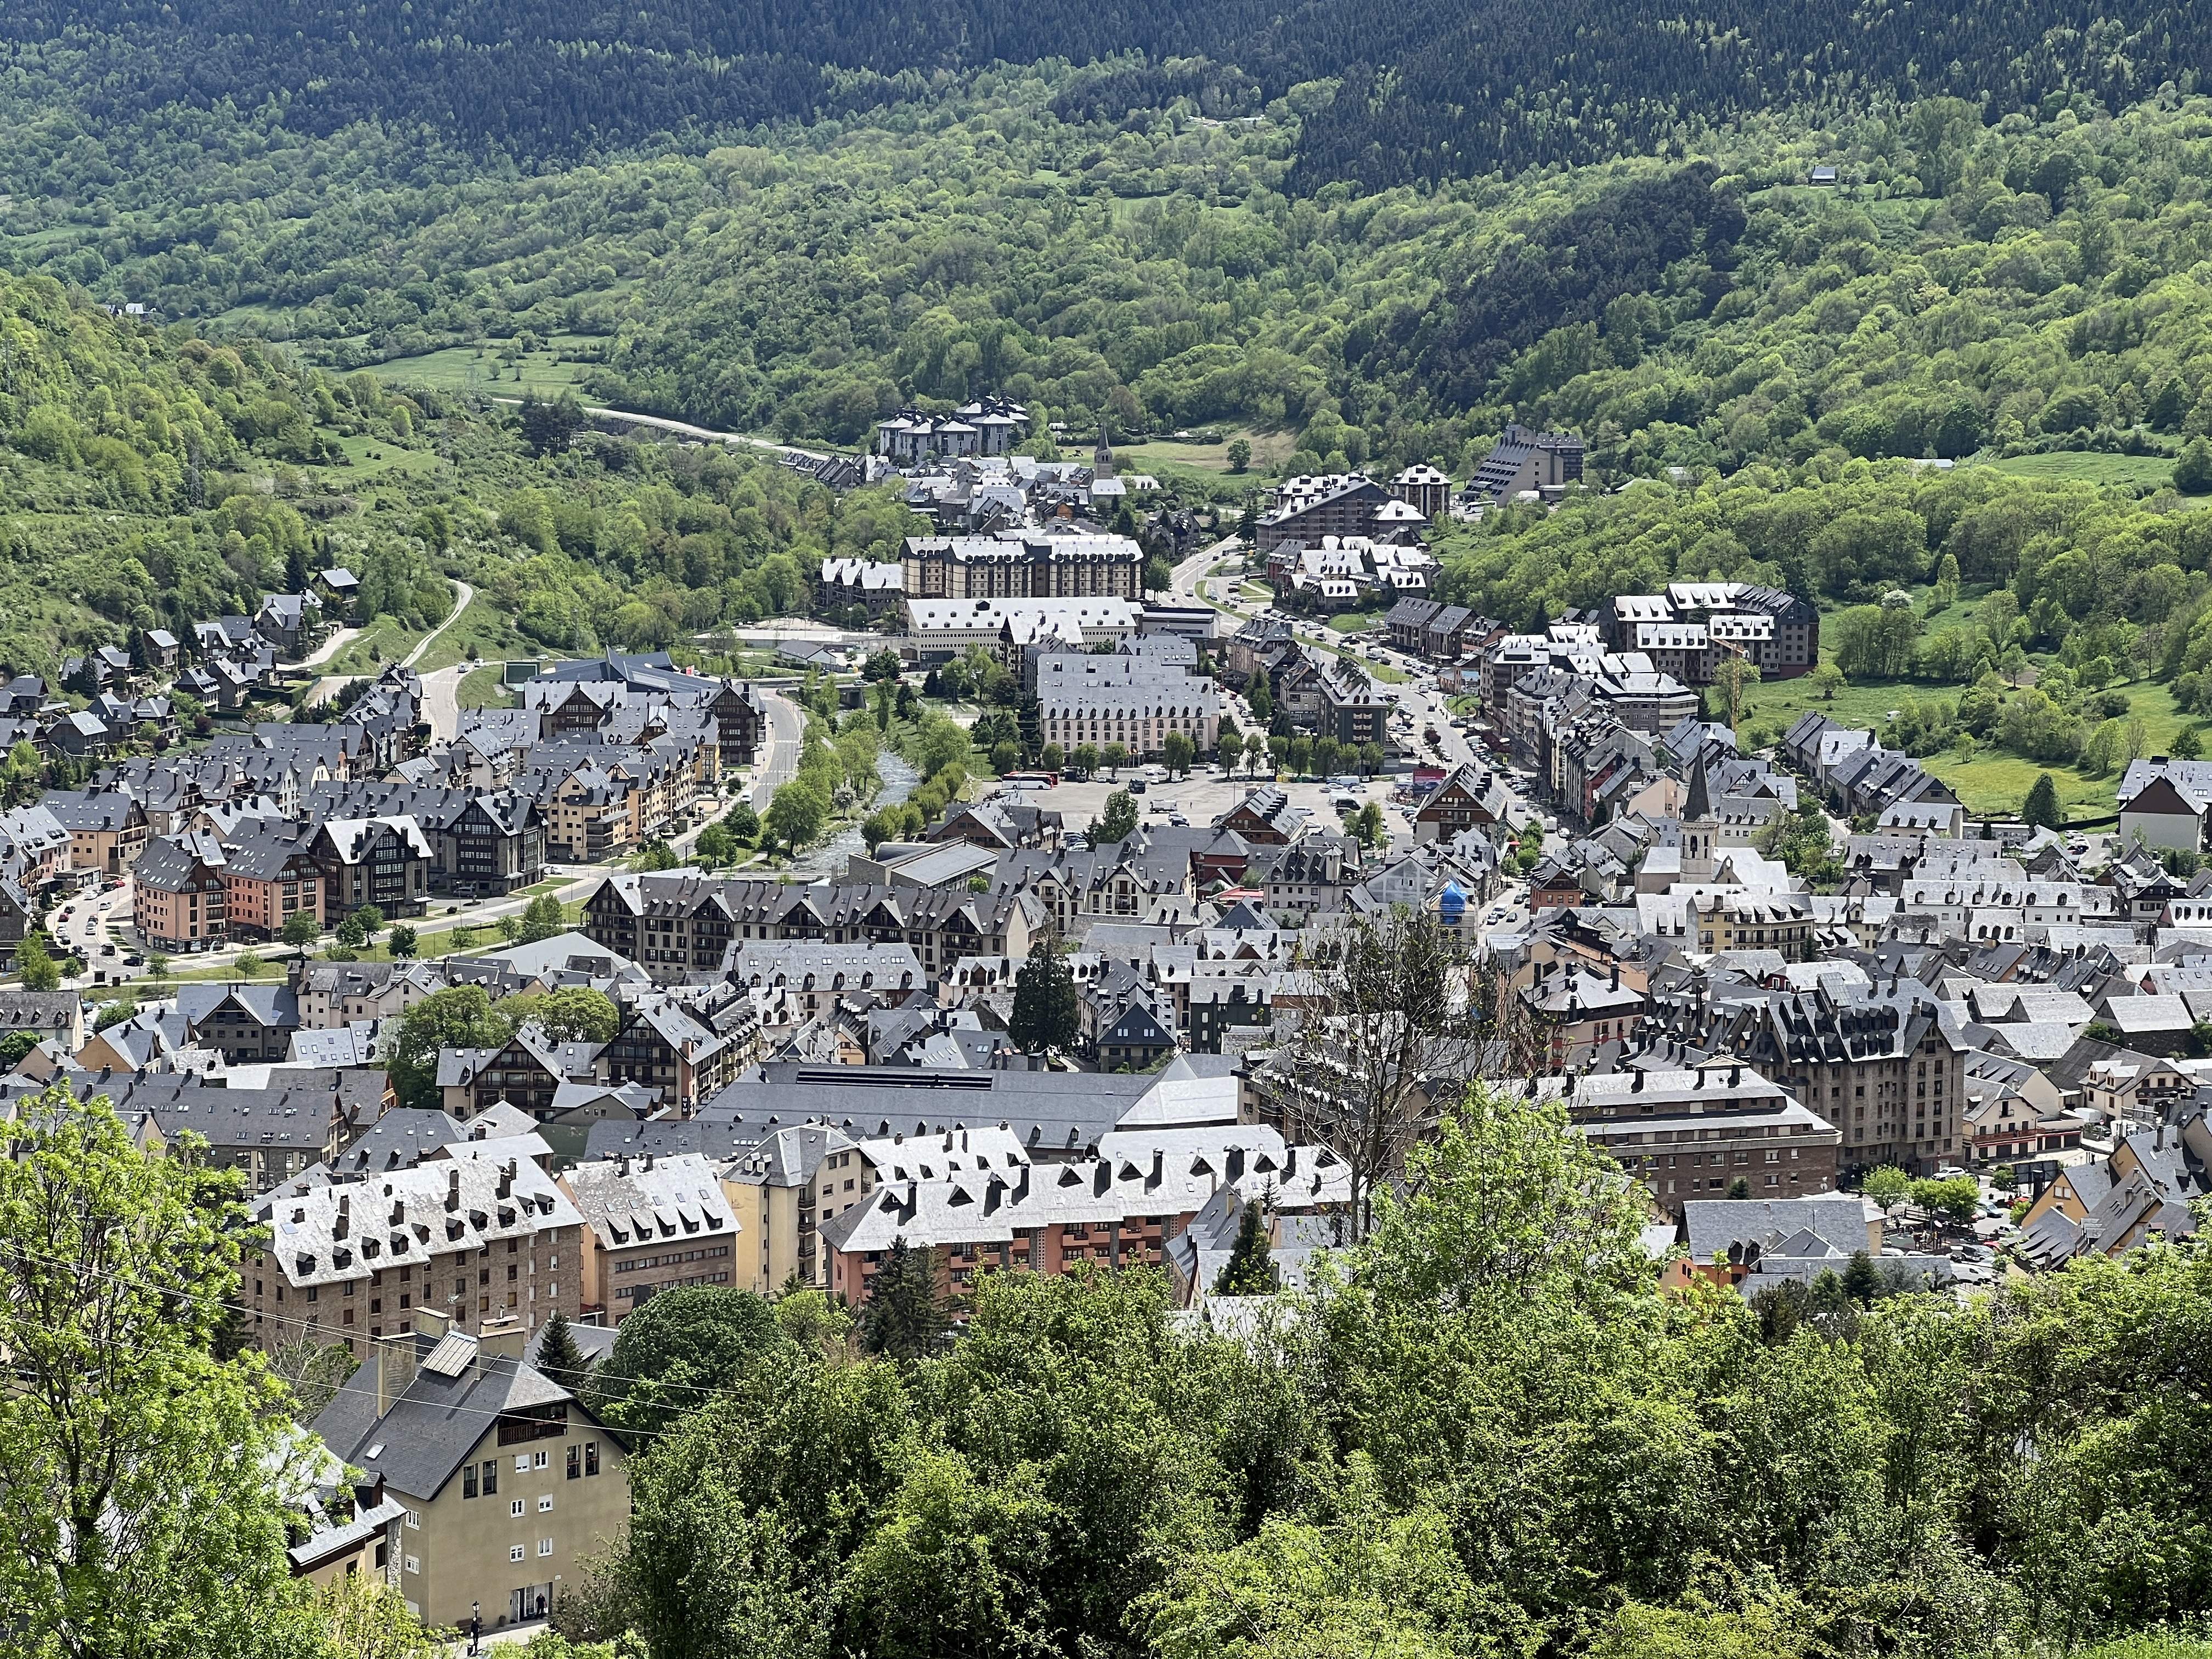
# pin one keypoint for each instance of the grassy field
(373, 459)
(482, 631)
(384, 641)
(2143, 473)
(482, 688)
(474, 369)
(1986, 779)
(1354, 621)
(1268, 449)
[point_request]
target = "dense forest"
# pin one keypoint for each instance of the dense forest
(1432, 90)
(2002, 286)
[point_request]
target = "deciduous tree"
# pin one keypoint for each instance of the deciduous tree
(139, 1475)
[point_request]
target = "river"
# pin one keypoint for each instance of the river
(829, 858)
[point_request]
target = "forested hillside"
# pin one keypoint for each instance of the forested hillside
(150, 478)
(2006, 287)
(1430, 90)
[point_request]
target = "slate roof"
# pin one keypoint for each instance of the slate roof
(419, 1443)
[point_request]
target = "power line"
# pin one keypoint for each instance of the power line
(710, 1391)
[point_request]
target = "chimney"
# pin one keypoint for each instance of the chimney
(452, 1191)
(344, 1219)
(1636, 1086)
(506, 1178)
(1022, 1187)
(1159, 1166)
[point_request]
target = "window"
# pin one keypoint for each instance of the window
(522, 1462)
(576, 1462)
(490, 1476)
(539, 1460)
(591, 1457)
(414, 1563)
(518, 1509)
(516, 1553)
(544, 1546)
(415, 1517)
(469, 1481)
(545, 1504)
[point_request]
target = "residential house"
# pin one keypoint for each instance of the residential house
(509, 1489)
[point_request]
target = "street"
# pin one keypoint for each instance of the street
(779, 756)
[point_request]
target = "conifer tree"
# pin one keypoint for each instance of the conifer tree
(559, 1357)
(1045, 1008)
(905, 1317)
(1249, 1270)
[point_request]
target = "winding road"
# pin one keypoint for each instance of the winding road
(440, 686)
(685, 429)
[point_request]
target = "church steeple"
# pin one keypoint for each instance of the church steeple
(1697, 805)
(1102, 460)
(1700, 830)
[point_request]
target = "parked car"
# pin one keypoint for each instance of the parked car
(1136, 786)
(1178, 821)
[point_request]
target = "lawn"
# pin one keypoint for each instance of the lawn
(485, 687)
(1355, 622)
(2142, 473)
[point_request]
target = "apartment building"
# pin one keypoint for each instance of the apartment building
(480, 1241)
(1694, 1132)
(651, 1223)
(1022, 564)
(1108, 1211)
(178, 892)
(509, 1487)
(1885, 1069)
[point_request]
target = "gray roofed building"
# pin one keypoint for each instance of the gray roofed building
(653, 1223)
(1054, 1113)
(465, 1432)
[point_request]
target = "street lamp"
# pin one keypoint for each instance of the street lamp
(476, 1624)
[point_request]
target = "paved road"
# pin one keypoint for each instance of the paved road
(83, 932)
(441, 705)
(778, 759)
(327, 687)
(685, 429)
